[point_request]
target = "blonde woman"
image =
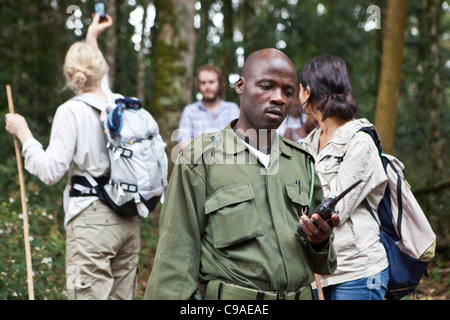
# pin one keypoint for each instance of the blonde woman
(101, 246)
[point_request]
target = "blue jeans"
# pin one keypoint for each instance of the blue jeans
(370, 288)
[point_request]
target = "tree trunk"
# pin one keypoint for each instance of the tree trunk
(187, 34)
(228, 46)
(432, 91)
(202, 46)
(141, 58)
(390, 73)
(173, 54)
(111, 43)
(248, 13)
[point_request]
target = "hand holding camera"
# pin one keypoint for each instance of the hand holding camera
(100, 9)
(97, 27)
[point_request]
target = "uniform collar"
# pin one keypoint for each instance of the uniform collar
(234, 145)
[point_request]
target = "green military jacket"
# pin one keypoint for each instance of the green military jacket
(227, 217)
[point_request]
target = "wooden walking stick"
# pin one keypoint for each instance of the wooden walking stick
(24, 203)
(319, 286)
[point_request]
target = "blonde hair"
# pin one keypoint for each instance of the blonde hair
(84, 67)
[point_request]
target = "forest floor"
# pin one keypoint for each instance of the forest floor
(437, 285)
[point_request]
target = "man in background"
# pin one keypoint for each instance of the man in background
(209, 114)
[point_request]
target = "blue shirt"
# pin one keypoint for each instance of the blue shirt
(291, 122)
(196, 120)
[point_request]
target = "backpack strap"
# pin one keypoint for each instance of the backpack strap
(85, 185)
(373, 133)
(367, 205)
(123, 152)
(92, 100)
(386, 162)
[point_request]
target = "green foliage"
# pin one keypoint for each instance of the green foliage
(149, 240)
(46, 239)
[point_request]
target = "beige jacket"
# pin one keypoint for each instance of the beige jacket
(348, 157)
(77, 146)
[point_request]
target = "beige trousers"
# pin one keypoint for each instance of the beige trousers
(102, 255)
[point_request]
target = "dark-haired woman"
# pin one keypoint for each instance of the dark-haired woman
(344, 155)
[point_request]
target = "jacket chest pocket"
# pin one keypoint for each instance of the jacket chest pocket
(233, 215)
(298, 203)
(329, 164)
(328, 169)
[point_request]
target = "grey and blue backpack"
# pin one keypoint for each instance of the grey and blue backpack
(139, 164)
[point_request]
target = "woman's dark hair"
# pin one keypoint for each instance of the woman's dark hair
(330, 87)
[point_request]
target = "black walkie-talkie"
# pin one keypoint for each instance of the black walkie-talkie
(326, 208)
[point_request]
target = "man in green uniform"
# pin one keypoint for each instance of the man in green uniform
(236, 198)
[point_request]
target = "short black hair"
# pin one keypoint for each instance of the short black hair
(329, 84)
